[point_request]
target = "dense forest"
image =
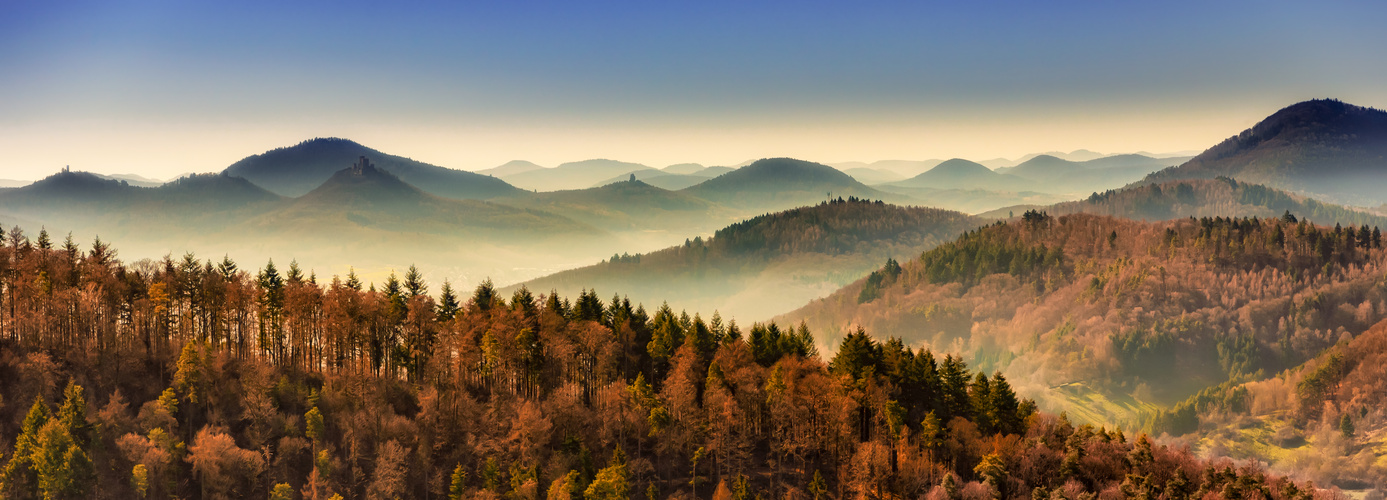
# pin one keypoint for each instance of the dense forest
(202, 379)
(1322, 419)
(1148, 313)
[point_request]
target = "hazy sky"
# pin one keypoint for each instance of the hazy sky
(164, 87)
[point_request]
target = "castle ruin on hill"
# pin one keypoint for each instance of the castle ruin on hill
(362, 166)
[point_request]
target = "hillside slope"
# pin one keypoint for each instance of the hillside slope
(1107, 317)
(772, 263)
(1326, 420)
(1203, 198)
(1323, 148)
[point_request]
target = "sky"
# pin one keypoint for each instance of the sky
(160, 88)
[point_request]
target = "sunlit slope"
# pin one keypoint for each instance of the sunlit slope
(1151, 311)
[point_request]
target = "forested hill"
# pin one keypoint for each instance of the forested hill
(1327, 149)
(1325, 418)
(295, 170)
(772, 263)
(1116, 315)
(781, 183)
(1204, 198)
(194, 203)
(207, 379)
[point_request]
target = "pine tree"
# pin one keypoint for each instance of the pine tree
(73, 414)
(414, 282)
(856, 355)
(448, 305)
(353, 282)
(19, 478)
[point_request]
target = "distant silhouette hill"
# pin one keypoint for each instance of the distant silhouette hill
(780, 183)
(628, 206)
(96, 197)
(771, 263)
(298, 169)
(1058, 175)
(1323, 148)
(963, 174)
(364, 196)
(510, 168)
(873, 176)
(657, 178)
(902, 168)
(573, 175)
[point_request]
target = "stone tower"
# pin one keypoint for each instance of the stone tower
(362, 166)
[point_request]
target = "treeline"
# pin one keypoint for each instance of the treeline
(1212, 197)
(199, 379)
(834, 227)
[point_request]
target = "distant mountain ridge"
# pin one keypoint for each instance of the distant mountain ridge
(783, 183)
(958, 173)
(1057, 175)
(573, 175)
(296, 170)
(1324, 148)
(771, 263)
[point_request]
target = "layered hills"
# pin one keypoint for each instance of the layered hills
(1324, 419)
(779, 183)
(963, 174)
(1108, 318)
(573, 175)
(1323, 148)
(295, 170)
(1202, 198)
(769, 264)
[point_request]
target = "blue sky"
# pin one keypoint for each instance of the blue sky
(164, 87)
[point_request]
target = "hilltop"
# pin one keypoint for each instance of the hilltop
(1327, 149)
(364, 196)
(1065, 176)
(771, 263)
(295, 170)
(963, 174)
(780, 183)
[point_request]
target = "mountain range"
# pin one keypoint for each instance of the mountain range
(296, 170)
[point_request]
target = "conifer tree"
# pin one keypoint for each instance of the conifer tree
(448, 305)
